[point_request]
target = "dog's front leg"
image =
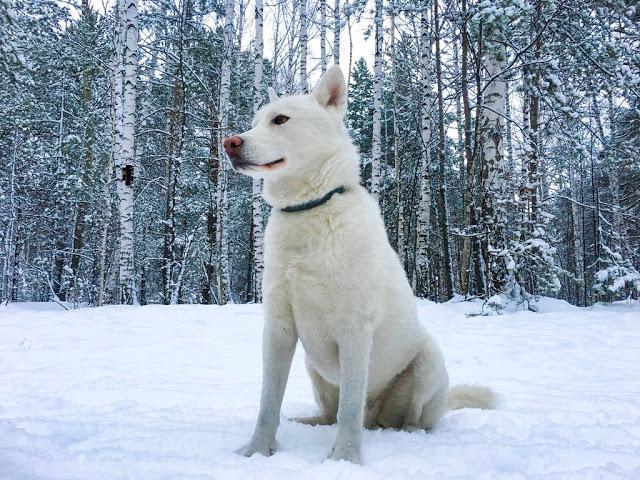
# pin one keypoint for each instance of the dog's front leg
(278, 346)
(353, 352)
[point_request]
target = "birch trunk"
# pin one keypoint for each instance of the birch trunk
(113, 160)
(323, 35)
(336, 33)
(304, 83)
(221, 190)
(376, 143)
(126, 286)
(257, 225)
(424, 208)
(494, 172)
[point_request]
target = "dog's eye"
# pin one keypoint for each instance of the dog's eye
(279, 119)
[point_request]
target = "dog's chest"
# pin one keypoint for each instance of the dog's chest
(313, 263)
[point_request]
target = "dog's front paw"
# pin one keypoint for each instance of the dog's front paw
(263, 448)
(350, 453)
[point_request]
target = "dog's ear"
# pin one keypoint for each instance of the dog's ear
(331, 91)
(273, 96)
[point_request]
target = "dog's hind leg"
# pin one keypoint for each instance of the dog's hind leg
(435, 408)
(327, 396)
(417, 398)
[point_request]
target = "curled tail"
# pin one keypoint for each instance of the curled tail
(472, 396)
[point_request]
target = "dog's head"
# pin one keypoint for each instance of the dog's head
(295, 135)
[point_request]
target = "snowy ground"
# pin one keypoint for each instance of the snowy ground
(161, 392)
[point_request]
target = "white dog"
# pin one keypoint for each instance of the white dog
(333, 281)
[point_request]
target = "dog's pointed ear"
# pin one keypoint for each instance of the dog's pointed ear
(273, 96)
(331, 91)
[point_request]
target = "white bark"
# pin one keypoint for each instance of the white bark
(256, 216)
(126, 157)
(376, 144)
(336, 33)
(304, 84)
(494, 178)
(291, 51)
(492, 124)
(323, 35)
(424, 207)
(221, 197)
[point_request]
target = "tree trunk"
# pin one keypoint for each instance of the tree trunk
(465, 266)
(87, 153)
(177, 118)
(323, 35)
(578, 238)
(400, 243)
(533, 106)
(424, 208)
(224, 287)
(336, 33)
(376, 144)
(304, 83)
(257, 236)
(8, 270)
(494, 175)
(125, 174)
(446, 268)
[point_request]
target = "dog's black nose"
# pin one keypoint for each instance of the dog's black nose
(232, 145)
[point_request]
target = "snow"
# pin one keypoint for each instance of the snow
(169, 392)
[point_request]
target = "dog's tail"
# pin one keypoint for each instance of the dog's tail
(472, 396)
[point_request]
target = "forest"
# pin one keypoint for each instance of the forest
(500, 137)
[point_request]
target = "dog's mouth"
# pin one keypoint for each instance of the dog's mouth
(273, 164)
(268, 166)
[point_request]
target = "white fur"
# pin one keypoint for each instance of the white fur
(333, 281)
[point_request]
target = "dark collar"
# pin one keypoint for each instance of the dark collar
(313, 203)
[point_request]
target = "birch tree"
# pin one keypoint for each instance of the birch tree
(256, 217)
(337, 30)
(376, 143)
(495, 250)
(323, 36)
(126, 159)
(424, 207)
(304, 84)
(221, 190)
